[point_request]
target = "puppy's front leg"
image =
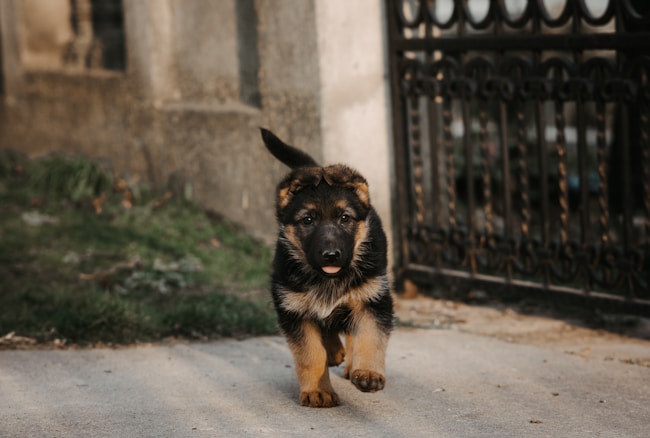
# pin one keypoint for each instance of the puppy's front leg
(310, 357)
(367, 352)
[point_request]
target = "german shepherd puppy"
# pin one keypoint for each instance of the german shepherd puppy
(329, 275)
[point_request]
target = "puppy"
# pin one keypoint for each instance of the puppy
(329, 275)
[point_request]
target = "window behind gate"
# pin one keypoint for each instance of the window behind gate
(522, 146)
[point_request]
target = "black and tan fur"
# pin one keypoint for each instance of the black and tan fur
(329, 275)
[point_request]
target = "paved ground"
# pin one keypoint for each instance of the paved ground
(441, 383)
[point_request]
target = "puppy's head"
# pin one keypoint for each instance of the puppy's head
(337, 175)
(322, 211)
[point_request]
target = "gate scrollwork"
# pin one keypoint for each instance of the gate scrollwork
(523, 143)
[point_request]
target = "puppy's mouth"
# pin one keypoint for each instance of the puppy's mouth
(331, 270)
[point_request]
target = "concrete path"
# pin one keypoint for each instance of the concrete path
(441, 383)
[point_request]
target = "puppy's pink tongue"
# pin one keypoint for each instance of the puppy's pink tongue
(331, 269)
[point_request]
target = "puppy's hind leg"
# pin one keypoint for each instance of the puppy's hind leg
(334, 347)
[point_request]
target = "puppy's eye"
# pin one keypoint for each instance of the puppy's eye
(308, 220)
(344, 218)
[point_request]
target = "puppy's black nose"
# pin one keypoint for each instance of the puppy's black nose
(331, 255)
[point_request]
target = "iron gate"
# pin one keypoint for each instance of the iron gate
(521, 145)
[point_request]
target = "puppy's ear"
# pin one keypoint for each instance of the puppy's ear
(286, 193)
(343, 176)
(289, 155)
(360, 188)
(296, 181)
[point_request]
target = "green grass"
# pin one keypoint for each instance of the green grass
(121, 275)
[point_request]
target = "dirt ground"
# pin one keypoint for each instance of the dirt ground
(626, 339)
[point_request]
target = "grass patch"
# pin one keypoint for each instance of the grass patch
(89, 258)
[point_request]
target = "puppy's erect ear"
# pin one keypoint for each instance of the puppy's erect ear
(296, 181)
(343, 176)
(289, 155)
(360, 188)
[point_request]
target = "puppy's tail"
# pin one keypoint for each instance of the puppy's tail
(289, 155)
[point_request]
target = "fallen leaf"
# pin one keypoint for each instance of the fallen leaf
(127, 203)
(11, 340)
(410, 289)
(103, 277)
(160, 202)
(37, 219)
(71, 258)
(98, 203)
(120, 185)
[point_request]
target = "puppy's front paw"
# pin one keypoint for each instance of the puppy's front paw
(367, 380)
(319, 399)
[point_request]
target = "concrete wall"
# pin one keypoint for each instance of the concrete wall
(201, 78)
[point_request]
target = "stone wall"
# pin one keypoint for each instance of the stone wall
(200, 78)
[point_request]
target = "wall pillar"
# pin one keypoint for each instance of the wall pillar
(354, 101)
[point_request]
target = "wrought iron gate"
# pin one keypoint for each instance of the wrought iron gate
(522, 149)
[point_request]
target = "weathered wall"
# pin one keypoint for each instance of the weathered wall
(46, 31)
(190, 102)
(178, 108)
